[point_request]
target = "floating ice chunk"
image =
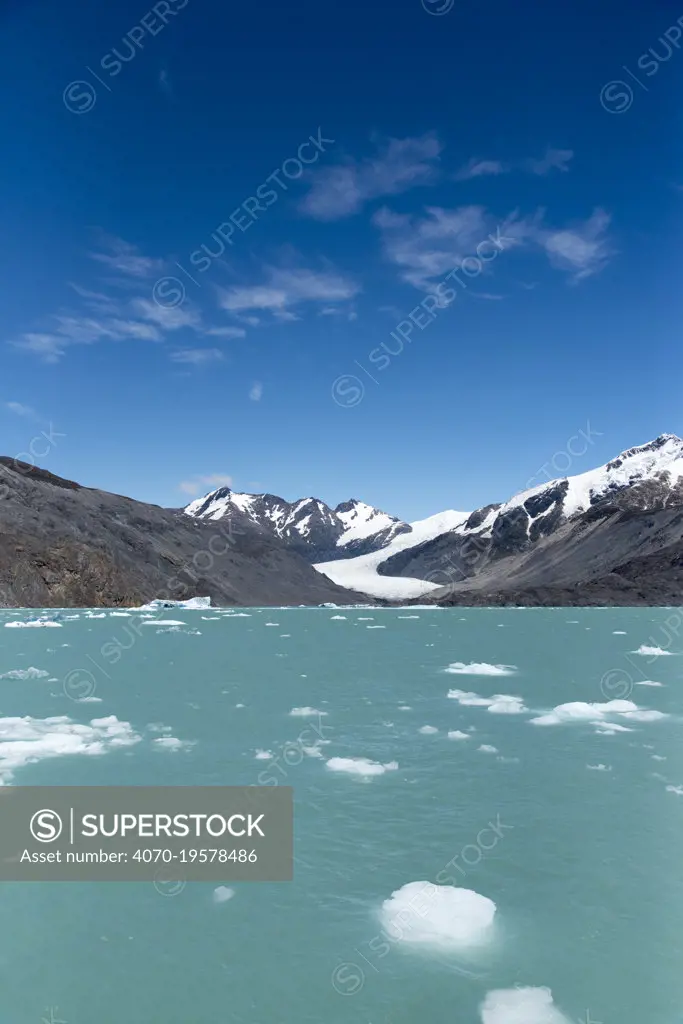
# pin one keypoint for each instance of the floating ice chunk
(455, 734)
(407, 616)
(193, 603)
(482, 668)
(172, 743)
(652, 652)
(421, 913)
(648, 682)
(314, 751)
(375, 627)
(598, 714)
(360, 766)
(163, 622)
(619, 632)
(599, 767)
(306, 712)
(646, 716)
(521, 1006)
(337, 618)
(506, 705)
(486, 748)
(499, 704)
(263, 755)
(29, 740)
(428, 730)
(33, 623)
(222, 894)
(658, 757)
(404, 707)
(25, 673)
(678, 790)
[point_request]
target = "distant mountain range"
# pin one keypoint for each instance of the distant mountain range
(613, 535)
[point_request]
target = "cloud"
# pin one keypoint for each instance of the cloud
(554, 159)
(399, 164)
(213, 480)
(583, 250)
(285, 288)
(478, 168)
(117, 315)
(225, 332)
(197, 356)
(427, 247)
(116, 254)
(19, 409)
(256, 391)
(170, 318)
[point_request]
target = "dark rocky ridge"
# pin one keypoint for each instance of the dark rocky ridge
(64, 545)
(608, 556)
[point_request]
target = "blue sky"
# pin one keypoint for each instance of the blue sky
(352, 156)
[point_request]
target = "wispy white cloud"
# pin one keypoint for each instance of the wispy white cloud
(429, 246)
(256, 392)
(225, 332)
(285, 289)
(583, 250)
(19, 409)
(197, 356)
(121, 256)
(125, 312)
(200, 483)
(554, 159)
(479, 168)
(398, 165)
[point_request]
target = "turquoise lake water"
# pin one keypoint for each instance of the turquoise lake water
(573, 826)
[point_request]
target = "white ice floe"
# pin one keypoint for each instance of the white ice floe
(222, 894)
(306, 712)
(34, 624)
(375, 627)
(521, 1006)
(25, 673)
(482, 668)
(486, 748)
(163, 622)
(499, 704)
(421, 913)
(407, 616)
(648, 682)
(598, 714)
(172, 743)
(619, 632)
(455, 734)
(428, 730)
(599, 767)
(652, 652)
(678, 790)
(29, 740)
(263, 755)
(337, 618)
(404, 707)
(360, 766)
(193, 603)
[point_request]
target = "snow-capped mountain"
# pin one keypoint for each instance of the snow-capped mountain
(307, 526)
(508, 537)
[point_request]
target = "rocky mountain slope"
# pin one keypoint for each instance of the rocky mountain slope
(64, 545)
(606, 536)
(308, 526)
